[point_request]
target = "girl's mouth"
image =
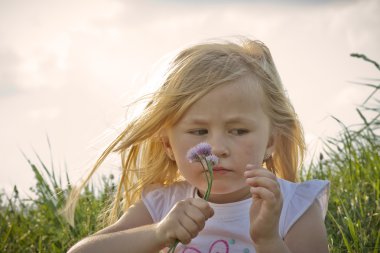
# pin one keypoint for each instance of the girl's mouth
(220, 170)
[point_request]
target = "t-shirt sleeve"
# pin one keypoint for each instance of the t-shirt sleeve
(155, 201)
(298, 197)
(159, 200)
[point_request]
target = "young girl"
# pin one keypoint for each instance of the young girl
(229, 95)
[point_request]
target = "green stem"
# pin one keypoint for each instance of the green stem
(209, 179)
(172, 248)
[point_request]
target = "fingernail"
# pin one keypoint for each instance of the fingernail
(249, 166)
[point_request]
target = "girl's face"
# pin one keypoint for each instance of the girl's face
(232, 120)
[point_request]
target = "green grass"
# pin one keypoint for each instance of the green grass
(351, 161)
(352, 165)
(35, 224)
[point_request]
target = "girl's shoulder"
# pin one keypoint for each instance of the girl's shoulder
(298, 197)
(159, 199)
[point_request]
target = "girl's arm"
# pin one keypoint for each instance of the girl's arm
(308, 234)
(135, 229)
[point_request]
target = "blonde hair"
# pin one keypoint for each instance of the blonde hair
(194, 72)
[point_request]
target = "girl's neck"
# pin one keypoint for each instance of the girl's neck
(236, 196)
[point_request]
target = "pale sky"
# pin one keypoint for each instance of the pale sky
(69, 68)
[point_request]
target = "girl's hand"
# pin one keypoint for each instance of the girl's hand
(184, 221)
(266, 206)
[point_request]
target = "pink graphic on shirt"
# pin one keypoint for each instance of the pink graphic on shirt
(191, 250)
(213, 249)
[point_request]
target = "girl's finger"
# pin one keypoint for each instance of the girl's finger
(203, 206)
(268, 183)
(259, 172)
(264, 194)
(197, 216)
(190, 226)
(183, 235)
(252, 167)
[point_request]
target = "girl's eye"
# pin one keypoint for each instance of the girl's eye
(239, 131)
(199, 131)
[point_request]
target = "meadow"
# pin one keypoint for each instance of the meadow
(350, 161)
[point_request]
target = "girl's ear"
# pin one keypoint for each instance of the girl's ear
(267, 159)
(271, 141)
(167, 147)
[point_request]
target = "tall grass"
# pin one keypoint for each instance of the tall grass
(35, 224)
(351, 161)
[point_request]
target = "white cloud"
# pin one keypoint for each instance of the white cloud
(9, 74)
(78, 60)
(49, 113)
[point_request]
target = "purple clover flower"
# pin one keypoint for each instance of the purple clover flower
(202, 153)
(203, 149)
(199, 151)
(192, 155)
(212, 159)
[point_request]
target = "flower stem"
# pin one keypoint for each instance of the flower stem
(172, 248)
(209, 179)
(207, 166)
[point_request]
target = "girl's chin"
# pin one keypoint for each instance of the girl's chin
(228, 195)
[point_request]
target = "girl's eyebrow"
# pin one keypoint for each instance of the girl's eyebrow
(231, 120)
(196, 121)
(240, 119)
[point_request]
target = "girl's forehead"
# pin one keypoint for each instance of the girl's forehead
(241, 96)
(241, 89)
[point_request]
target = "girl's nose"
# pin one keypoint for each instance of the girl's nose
(219, 149)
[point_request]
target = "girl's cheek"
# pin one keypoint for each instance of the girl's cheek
(254, 156)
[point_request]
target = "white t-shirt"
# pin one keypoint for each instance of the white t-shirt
(228, 229)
